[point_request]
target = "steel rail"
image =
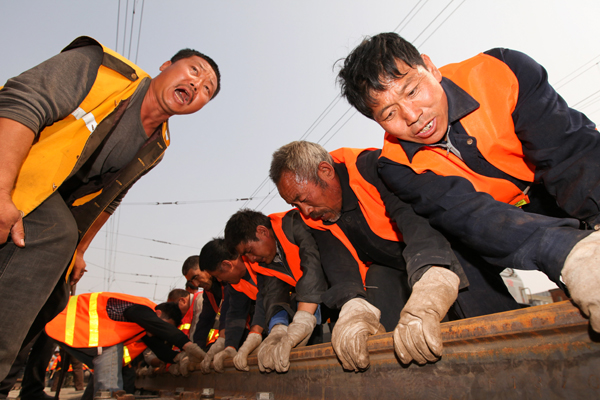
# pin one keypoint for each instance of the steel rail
(544, 352)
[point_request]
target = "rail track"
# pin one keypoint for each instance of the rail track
(543, 352)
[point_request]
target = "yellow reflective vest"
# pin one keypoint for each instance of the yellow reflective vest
(62, 148)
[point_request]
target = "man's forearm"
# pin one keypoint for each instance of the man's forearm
(16, 141)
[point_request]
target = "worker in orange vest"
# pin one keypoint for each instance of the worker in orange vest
(284, 251)
(381, 259)
(106, 330)
(243, 284)
(474, 144)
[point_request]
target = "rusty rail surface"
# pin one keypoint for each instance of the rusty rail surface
(544, 352)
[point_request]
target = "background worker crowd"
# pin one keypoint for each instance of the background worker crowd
(287, 255)
(78, 131)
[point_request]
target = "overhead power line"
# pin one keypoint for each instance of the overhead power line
(154, 240)
(140, 255)
(407, 15)
(179, 202)
(560, 83)
(136, 274)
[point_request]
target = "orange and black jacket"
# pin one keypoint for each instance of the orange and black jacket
(511, 134)
(245, 307)
(378, 227)
(215, 301)
(296, 267)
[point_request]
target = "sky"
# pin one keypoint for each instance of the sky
(278, 61)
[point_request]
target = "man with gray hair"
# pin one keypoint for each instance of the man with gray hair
(357, 222)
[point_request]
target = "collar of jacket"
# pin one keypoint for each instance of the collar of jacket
(460, 104)
(349, 199)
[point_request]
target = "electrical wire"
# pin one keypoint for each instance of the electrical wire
(431, 23)
(118, 19)
(140, 255)
(415, 6)
(177, 203)
(558, 84)
(156, 241)
(137, 50)
(442, 23)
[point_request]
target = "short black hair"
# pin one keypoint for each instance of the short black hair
(187, 53)
(371, 64)
(241, 227)
(213, 254)
(170, 311)
(192, 262)
(176, 294)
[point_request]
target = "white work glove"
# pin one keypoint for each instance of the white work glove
(221, 356)
(174, 369)
(266, 360)
(241, 359)
(298, 333)
(358, 320)
(581, 274)
(144, 371)
(418, 335)
(182, 361)
(214, 349)
(194, 351)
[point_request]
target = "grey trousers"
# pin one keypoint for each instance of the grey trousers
(32, 285)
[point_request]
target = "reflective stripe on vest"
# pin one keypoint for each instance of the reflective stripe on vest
(126, 356)
(369, 199)
(70, 320)
(93, 320)
(250, 289)
(185, 326)
(133, 348)
(492, 83)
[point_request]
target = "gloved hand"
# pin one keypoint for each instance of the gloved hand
(581, 274)
(174, 369)
(144, 371)
(298, 333)
(194, 351)
(215, 348)
(358, 320)
(181, 361)
(220, 357)
(266, 361)
(241, 359)
(418, 335)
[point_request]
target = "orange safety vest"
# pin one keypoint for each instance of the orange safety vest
(186, 321)
(213, 334)
(133, 348)
(250, 289)
(371, 206)
(292, 253)
(492, 83)
(85, 323)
